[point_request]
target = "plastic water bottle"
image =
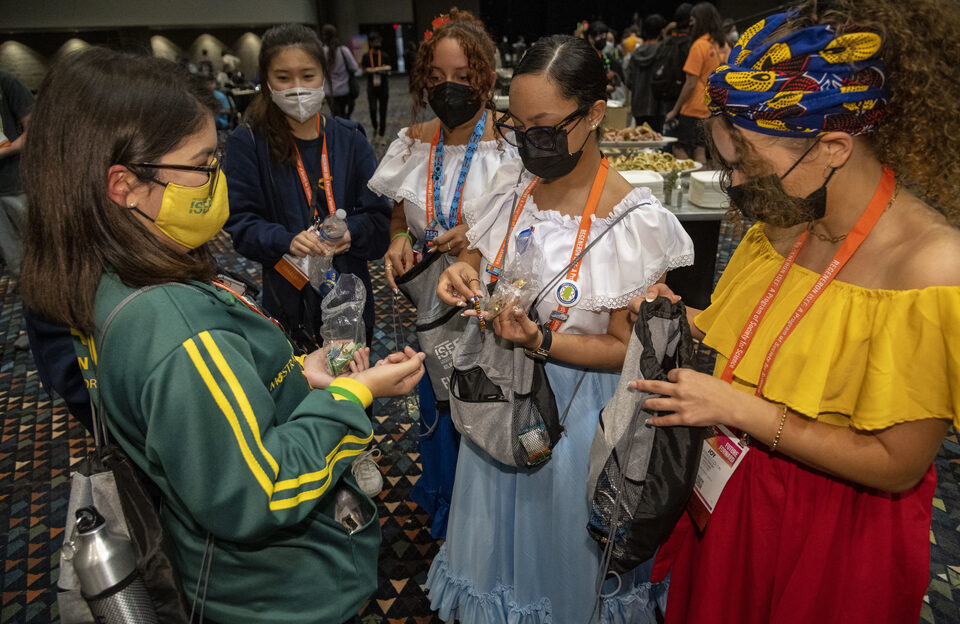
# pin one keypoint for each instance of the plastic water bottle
(322, 274)
(107, 568)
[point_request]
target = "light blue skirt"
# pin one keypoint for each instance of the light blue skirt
(517, 549)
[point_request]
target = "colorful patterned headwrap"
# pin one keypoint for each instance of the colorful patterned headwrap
(806, 83)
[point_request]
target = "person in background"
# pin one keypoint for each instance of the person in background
(454, 72)
(730, 27)
(630, 40)
(517, 547)
(645, 107)
(279, 186)
(341, 66)
(668, 74)
(708, 50)
(205, 66)
(222, 116)
(377, 65)
(16, 103)
(843, 392)
(248, 446)
(597, 36)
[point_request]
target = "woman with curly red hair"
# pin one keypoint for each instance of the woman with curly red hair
(429, 171)
(835, 322)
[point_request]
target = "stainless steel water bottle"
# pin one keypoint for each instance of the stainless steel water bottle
(107, 568)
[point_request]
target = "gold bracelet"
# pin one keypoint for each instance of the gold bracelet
(783, 420)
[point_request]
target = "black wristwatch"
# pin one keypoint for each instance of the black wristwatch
(543, 351)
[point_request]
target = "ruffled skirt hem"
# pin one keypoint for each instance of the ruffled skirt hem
(457, 598)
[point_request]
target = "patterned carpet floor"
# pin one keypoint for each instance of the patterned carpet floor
(40, 441)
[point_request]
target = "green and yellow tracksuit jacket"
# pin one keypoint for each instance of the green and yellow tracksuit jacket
(207, 398)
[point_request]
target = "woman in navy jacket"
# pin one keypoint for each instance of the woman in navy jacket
(273, 165)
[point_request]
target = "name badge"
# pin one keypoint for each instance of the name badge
(568, 293)
(376, 80)
(719, 457)
(430, 234)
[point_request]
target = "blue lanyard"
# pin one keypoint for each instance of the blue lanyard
(453, 216)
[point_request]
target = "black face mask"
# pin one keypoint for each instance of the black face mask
(599, 42)
(764, 199)
(551, 164)
(455, 104)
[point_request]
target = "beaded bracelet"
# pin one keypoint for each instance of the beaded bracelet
(783, 420)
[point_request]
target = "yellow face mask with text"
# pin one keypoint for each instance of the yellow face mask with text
(192, 215)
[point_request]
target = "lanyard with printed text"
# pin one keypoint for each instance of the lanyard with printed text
(435, 180)
(568, 290)
(851, 243)
(494, 269)
(327, 179)
(724, 450)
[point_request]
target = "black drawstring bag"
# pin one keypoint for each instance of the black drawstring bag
(642, 476)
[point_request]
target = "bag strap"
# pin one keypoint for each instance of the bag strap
(576, 389)
(100, 435)
(556, 278)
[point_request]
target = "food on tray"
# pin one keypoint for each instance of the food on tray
(652, 161)
(642, 132)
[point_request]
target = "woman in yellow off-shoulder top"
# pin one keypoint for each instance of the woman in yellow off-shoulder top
(836, 322)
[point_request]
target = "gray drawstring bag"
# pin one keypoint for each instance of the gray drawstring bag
(641, 476)
(439, 326)
(500, 399)
(108, 480)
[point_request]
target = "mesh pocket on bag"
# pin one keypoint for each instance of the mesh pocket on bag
(531, 442)
(604, 511)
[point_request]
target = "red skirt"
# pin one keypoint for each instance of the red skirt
(790, 545)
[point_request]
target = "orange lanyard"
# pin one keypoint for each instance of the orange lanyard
(327, 179)
(568, 291)
(494, 269)
(379, 59)
(878, 203)
(247, 302)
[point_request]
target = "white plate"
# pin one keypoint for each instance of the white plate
(638, 144)
(698, 166)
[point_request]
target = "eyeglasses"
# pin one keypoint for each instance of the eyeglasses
(539, 137)
(212, 170)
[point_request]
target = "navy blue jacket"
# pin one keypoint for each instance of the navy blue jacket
(268, 208)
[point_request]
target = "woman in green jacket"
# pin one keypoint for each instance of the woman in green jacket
(199, 387)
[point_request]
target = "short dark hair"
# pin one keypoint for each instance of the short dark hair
(653, 25)
(571, 63)
(97, 108)
(597, 28)
(681, 15)
(709, 23)
(262, 114)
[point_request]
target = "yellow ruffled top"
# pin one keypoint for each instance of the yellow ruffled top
(860, 357)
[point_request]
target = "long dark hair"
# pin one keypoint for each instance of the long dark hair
(708, 22)
(263, 115)
(572, 64)
(330, 38)
(95, 109)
